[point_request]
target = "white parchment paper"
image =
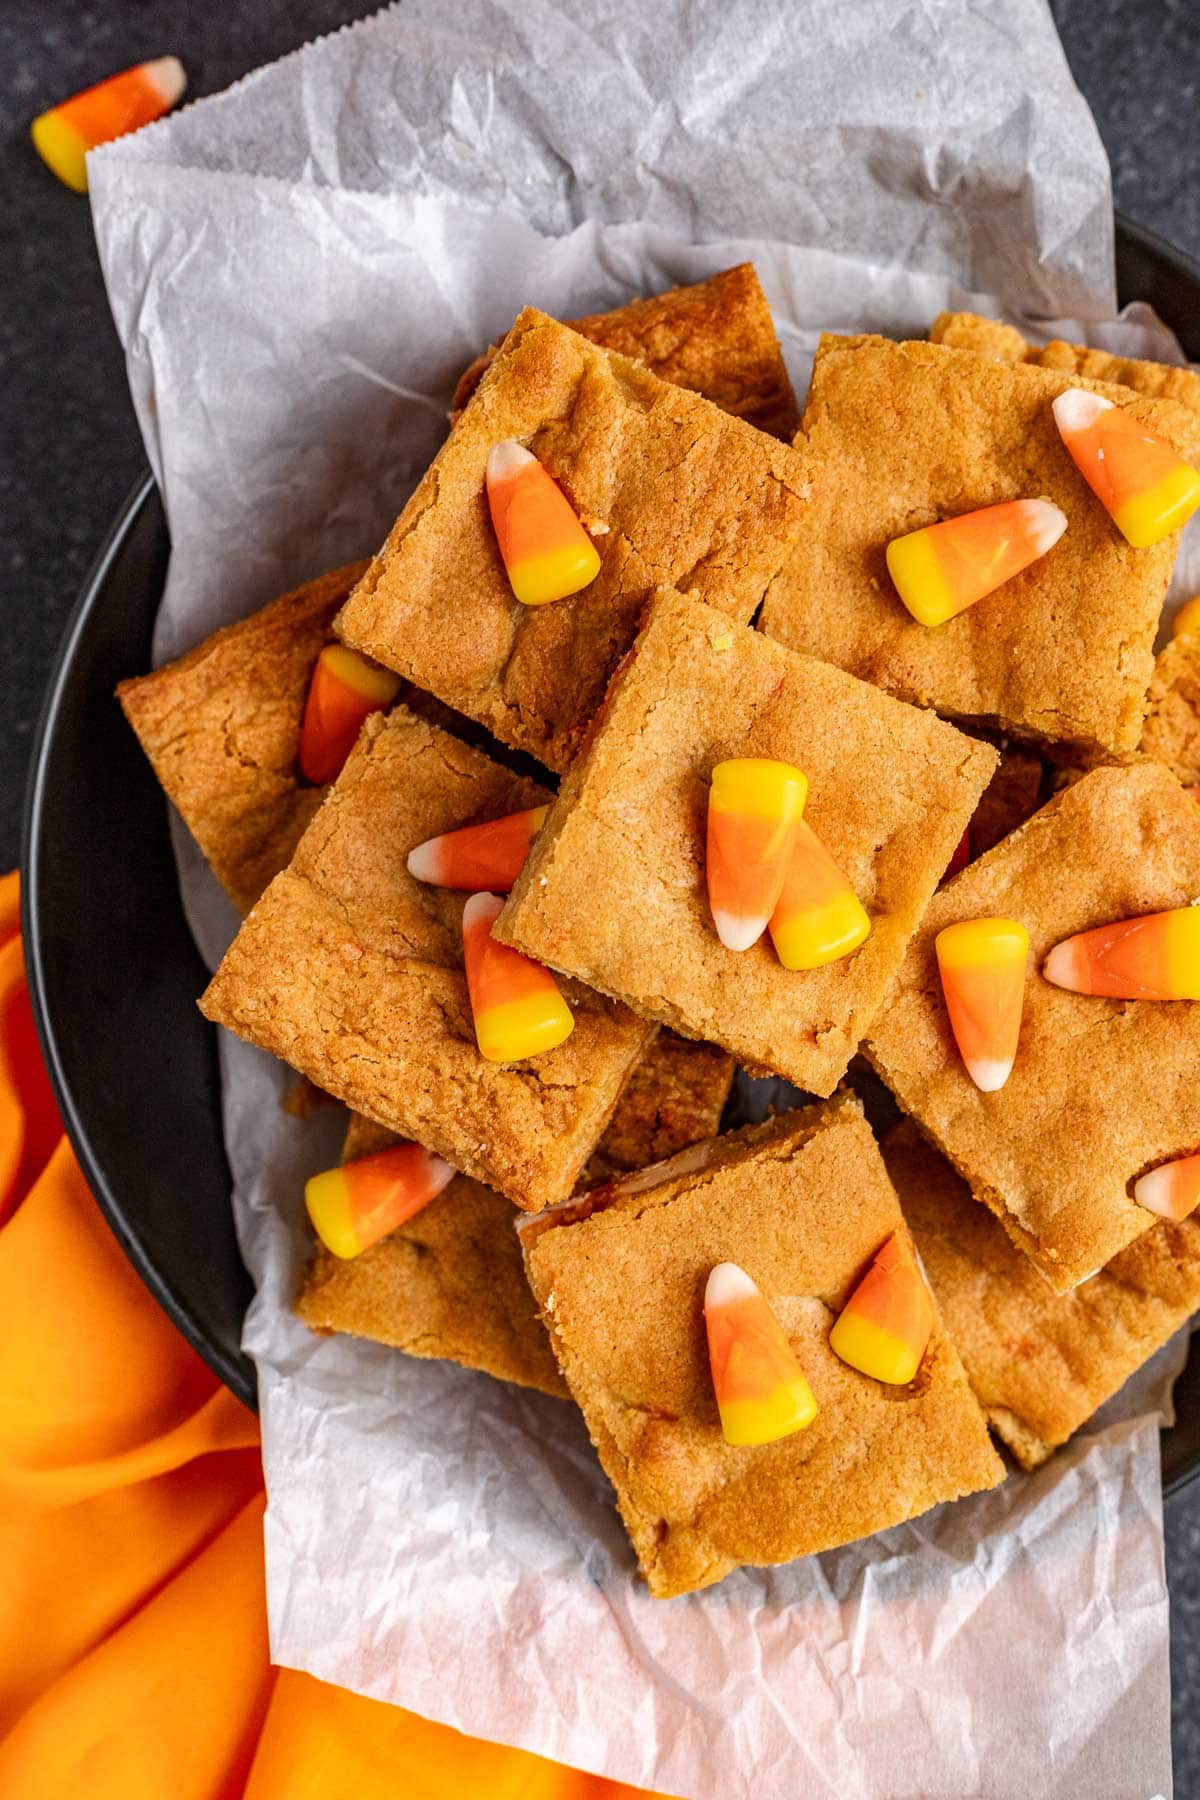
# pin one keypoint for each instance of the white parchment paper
(298, 270)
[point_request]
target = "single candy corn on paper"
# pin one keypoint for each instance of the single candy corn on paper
(345, 689)
(1142, 483)
(885, 1325)
(1187, 618)
(982, 966)
(489, 856)
(754, 807)
(1172, 1190)
(351, 1208)
(64, 135)
(515, 1002)
(1155, 957)
(942, 569)
(545, 549)
(761, 1389)
(818, 917)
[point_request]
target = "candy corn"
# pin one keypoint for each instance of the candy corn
(345, 689)
(478, 856)
(516, 1005)
(1142, 483)
(63, 136)
(943, 569)
(1156, 957)
(546, 551)
(961, 857)
(982, 965)
(353, 1207)
(1172, 1190)
(760, 1387)
(885, 1325)
(754, 807)
(1187, 618)
(819, 917)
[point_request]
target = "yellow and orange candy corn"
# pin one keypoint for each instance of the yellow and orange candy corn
(942, 569)
(547, 553)
(818, 917)
(885, 1326)
(63, 136)
(515, 1002)
(1172, 1190)
(1155, 957)
(754, 807)
(761, 1390)
(345, 689)
(353, 1207)
(489, 856)
(982, 966)
(1143, 484)
(1187, 619)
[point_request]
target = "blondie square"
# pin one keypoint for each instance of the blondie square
(351, 971)
(614, 889)
(673, 490)
(451, 1282)
(1040, 1363)
(715, 337)
(220, 727)
(988, 337)
(1102, 1090)
(1171, 733)
(901, 435)
(801, 1204)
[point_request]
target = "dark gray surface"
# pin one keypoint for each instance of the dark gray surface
(70, 450)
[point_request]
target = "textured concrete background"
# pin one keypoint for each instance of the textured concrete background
(70, 451)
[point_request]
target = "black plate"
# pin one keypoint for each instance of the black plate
(114, 974)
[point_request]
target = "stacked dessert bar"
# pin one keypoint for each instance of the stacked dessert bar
(368, 759)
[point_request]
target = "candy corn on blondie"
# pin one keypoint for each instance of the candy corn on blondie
(1040, 1363)
(221, 724)
(801, 1205)
(1060, 652)
(670, 489)
(451, 1282)
(351, 970)
(715, 337)
(613, 890)
(1102, 1090)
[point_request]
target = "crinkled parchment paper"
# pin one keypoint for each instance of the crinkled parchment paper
(298, 270)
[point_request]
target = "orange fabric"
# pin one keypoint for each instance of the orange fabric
(133, 1638)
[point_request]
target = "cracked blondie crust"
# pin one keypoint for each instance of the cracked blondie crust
(1171, 733)
(673, 491)
(802, 1204)
(1040, 1363)
(352, 972)
(899, 435)
(1101, 1090)
(715, 337)
(451, 1282)
(613, 891)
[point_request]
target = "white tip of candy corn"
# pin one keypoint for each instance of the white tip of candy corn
(738, 933)
(727, 1284)
(480, 907)
(1077, 409)
(504, 460)
(989, 1073)
(1066, 966)
(168, 76)
(425, 862)
(1044, 522)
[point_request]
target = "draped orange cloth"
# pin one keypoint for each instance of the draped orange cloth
(133, 1632)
